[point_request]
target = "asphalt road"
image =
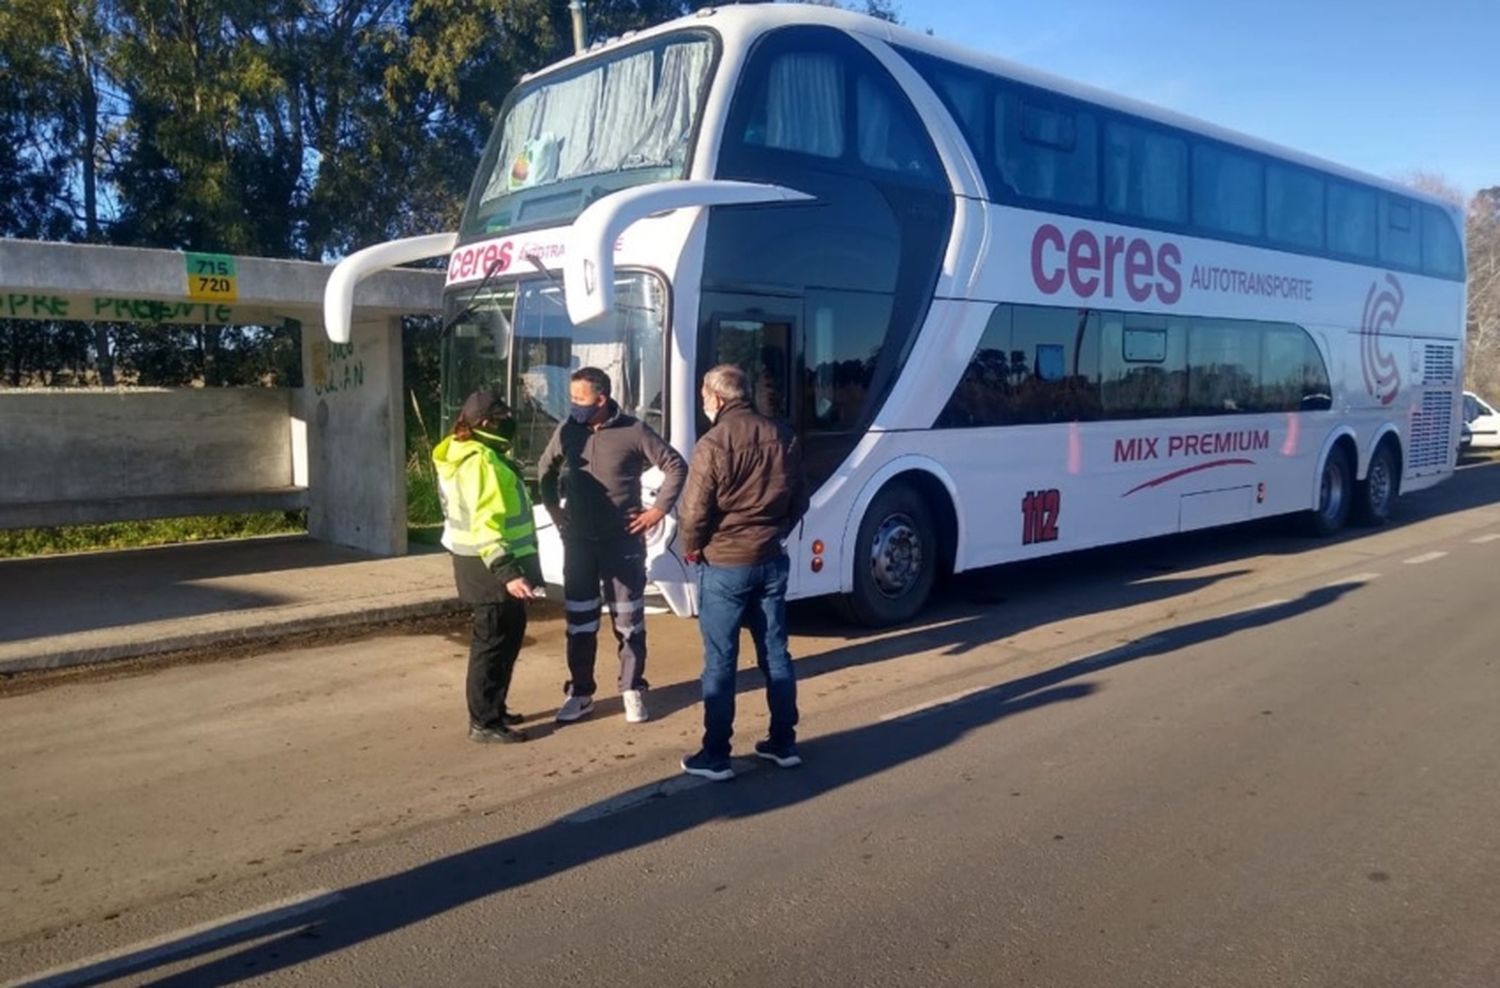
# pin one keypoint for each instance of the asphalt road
(1240, 758)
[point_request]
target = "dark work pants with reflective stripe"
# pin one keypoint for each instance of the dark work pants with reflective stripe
(498, 630)
(617, 567)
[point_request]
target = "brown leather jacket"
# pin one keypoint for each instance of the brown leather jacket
(745, 490)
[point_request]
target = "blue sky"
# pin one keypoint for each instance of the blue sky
(1385, 86)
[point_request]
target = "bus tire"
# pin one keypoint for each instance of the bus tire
(1336, 492)
(1375, 496)
(895, 560)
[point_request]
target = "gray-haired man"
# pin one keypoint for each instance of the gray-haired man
(745, 494)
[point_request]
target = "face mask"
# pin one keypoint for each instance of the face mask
(712, 413)
(583, 414)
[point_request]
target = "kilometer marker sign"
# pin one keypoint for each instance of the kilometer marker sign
(211, 278)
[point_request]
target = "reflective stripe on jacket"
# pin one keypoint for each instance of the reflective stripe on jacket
(486, 509)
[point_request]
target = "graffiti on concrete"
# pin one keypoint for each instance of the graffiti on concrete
(336, 367)
(15, 305)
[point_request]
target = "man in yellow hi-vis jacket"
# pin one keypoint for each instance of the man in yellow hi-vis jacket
(488, 528)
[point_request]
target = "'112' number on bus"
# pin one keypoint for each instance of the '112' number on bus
(1039, 511)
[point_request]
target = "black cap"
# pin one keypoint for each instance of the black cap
(485, 405)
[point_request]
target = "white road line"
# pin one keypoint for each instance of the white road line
(1486, 538)
(656, 790)
(934, 704)
(1356, 578)
(1425, 557)
(1094, 659)
(149, 953)
(1109, 655)
(1255, 608)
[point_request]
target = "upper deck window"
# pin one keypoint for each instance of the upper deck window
(1041, 149)
(1442, 254)
(813, 99)
(803, 108)
(1351, 220)
(1294, 207)
(1400, 232)
(1228, 191)
(1145, 173)
(1046, 152)
(621, 119)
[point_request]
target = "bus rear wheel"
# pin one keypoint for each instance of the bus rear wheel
(1335, 494)
(895, 560)
(1375, 496)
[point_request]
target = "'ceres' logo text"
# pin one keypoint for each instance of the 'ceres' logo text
(1093, 266)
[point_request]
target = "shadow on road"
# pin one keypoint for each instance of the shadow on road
(956, 626)
(621, 824)
(984, 606)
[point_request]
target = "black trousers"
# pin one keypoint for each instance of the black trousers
(496, 642)
(618, 568)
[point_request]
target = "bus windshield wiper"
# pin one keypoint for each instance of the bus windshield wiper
(551, 276)
(473, 303)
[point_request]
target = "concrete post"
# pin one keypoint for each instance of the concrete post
(351, 407)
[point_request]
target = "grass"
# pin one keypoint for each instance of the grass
(135, 534)
(424, 512)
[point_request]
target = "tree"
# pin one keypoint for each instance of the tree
(885, 10)
(54, 52)
(1483, 236)
(301, 128)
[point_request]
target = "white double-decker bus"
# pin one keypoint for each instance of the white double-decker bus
(1008, 315)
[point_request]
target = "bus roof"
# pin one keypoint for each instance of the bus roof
(742, 23)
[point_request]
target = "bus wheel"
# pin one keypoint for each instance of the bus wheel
(895, 559)
(1375, 496)
(1336, 492)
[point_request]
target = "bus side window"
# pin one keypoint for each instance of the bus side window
(1143, 366)
(1442, 254)
(1224, 368)
(762, 349)
(1145, 173)
(1400, 232)
(844, 334)
(1351, 221)
(1045, 150)
(799, 106)
(1060, 347)
(1228, 191)
(1294, 207)
(1292, 375)
(1033, 364)
(887, 138)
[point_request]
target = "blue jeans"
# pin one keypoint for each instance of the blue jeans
(731, 598)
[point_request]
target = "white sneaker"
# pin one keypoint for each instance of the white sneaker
(574, 708)
(635, 707)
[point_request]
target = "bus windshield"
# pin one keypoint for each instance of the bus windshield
(619, 120)
(519, 339)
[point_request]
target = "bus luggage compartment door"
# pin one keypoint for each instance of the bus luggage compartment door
(1208, 508)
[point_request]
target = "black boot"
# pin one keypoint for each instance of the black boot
(498, 734)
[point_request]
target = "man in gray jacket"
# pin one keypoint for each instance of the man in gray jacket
(595, 460)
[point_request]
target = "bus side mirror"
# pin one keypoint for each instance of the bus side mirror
(589, 265)
(338, 294)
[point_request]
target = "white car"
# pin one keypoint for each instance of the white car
(1483, 421)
